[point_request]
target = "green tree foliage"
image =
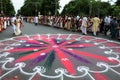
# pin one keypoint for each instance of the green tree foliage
(116, 11)
(50, 7)
(7, 7)
(118, 2)
(75, 7)
(45, 7)
(105, 9)
(87, 7)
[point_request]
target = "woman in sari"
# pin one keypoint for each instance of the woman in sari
(18, 23)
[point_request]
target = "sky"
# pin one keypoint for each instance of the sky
(19, 3)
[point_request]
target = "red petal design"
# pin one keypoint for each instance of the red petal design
(90, 55)
(80, 45)
(24, 49)
(33, 55)
(67, 42)
(65, 61)
(99, 76)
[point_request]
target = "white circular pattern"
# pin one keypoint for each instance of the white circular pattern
(82, 70)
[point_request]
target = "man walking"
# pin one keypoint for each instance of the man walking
(12, 23)
(114, 26)
(107, 21)
(36, 20)
(95, 26)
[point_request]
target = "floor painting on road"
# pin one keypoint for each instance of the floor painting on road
(59, 57)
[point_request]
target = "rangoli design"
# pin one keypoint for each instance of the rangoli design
(59, 57)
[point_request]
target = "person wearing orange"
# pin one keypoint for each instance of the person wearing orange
(2, 23)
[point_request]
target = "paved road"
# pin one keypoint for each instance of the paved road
(54, 53)
(41, 29)
(32, 29)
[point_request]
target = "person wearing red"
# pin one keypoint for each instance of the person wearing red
(0, 25)
(4, 23)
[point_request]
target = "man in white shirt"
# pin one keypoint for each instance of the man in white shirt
(107, 21)
(13, 18)
(36, 20)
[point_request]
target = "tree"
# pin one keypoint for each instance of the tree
(77, 7)
(45, 7)
(87, 7)
(118, 3)
(7, 8)
(105, 9)
(116, 11)
(30, 8)
(116, 8)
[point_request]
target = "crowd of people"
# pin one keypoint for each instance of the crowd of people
(106, 26)
(4, 22)
(14, 21)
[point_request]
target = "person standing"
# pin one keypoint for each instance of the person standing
(36, 20)
(84, 25)
(77, 22)
(4, 23)
(0, 25)
(114, 26)
(18, 24)
(69, 23)
(12, 23)
(8, 21)
(95, 26)
(119, 29)
(101, 26)
(107, 21)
